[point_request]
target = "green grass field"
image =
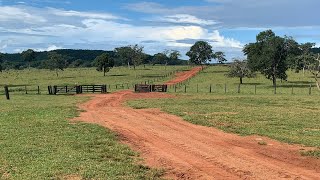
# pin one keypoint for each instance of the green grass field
(297, 84)
(291, 118)
(37, 141)
(117, 78)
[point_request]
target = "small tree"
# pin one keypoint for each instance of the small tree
(200, 53)
(174, 55)
(241, 70)
(104, 63)
(137, 55)
(314, 68)
(29, 56)
(56, 62)
(220, 57)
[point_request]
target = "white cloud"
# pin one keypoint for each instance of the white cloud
(49, 48)
(60, 12)
(184, 19)
(11, 14)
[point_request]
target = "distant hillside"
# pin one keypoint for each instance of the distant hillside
(75, 58)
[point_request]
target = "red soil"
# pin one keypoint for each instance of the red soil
(182, 76)
(188, 151)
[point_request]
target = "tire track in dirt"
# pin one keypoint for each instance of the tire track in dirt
(188, 151)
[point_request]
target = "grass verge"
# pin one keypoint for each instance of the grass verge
(38, 142)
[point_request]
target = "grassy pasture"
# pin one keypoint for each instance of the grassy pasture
(117, 76)
(285, 117)
(37, 141)
(297, 84)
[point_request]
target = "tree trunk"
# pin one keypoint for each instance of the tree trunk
(128, 65)
(104, 71)
(274, 81)
(240, 80)
(57, 73)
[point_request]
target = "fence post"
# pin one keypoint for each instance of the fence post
(239, 86)
(175, 88)
(50, 90)
(6, 89)
(25, 87)
(38, 89)
(310, 89)
(210, 89)
(225, 88)
(185, 88)
(292, 89)
(55, 90)
(197, 88)
(255, 89)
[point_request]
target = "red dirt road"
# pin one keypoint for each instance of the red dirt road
(188, 151)
(182, 76)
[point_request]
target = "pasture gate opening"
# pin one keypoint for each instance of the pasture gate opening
(143, 88)
(78, 89)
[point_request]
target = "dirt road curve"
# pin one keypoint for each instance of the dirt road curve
(182, 76)
(188, 151)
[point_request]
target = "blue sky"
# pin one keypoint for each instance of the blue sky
(155, 24)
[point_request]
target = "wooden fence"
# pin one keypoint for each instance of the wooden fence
(143, 88)
(78, 89)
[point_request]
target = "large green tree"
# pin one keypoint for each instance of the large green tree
(200, 53)
(240, 69)
(56, 62)
(268, 55)
(132, 54)
(104, 63)
(29, 56)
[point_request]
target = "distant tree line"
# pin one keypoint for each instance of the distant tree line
(80, 58)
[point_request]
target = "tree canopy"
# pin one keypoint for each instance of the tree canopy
(200, 53)
(269, 54)
(104, 63)
(29, 56)
(240, 69)
(56, 62)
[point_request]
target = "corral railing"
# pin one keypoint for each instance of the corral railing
(78, 89)
(150, 88)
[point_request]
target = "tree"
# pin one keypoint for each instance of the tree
(137, 55)
(104, 63)
(1, 61)
(306, 57)
(200, 53)
(314, 68)
(29, 56)
(56, 62)
(132, 54)
(269, 55)
(241, 70)
(174, 55)
(125, 53)
(159, 58)
(220, 57)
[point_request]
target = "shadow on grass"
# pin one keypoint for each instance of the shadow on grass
(119, 75)
(299, 82)
(151, 76)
